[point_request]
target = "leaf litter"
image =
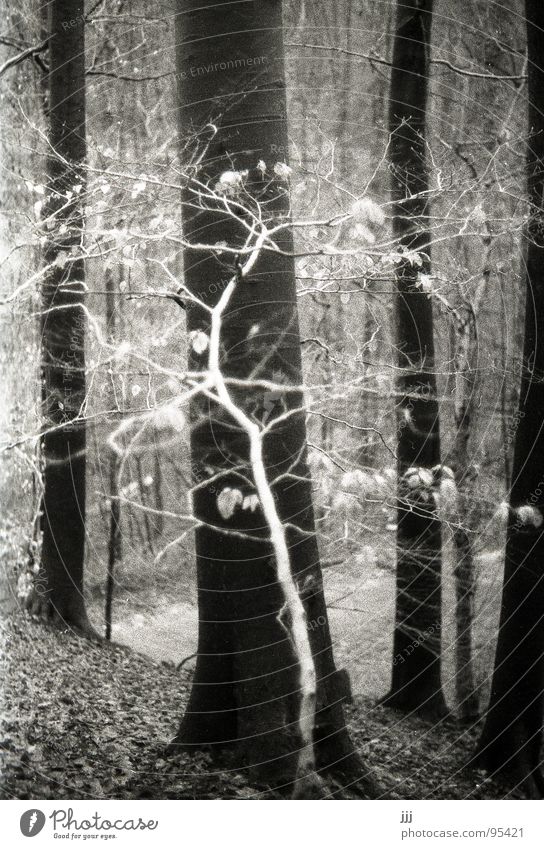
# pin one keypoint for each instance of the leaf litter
(93, 720)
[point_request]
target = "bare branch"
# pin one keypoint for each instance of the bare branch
(25, 54)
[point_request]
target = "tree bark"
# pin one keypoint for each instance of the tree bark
(511, 741)
(59, 588)
(115, 540)
(416, 684)
(464, 571)
(244, 695)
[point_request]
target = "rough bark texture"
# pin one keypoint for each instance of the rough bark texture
(511, 742)
(59, 588)
(244, 695)
(416, 666)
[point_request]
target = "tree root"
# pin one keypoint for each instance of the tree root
(43, 609)
(433, 709)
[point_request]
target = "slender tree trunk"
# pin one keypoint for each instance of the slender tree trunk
(115, 542)
(511, 742)
(245, 690)
(465, 687)
(59, 592)
(465, 359)
(416, 684)
(506, 422)
(158, 496)
(144, 521)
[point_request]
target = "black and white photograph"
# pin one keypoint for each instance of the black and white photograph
(271, 414)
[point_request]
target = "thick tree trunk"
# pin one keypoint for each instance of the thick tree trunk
(511, 742)
(416, 684)
(245, 690)
(59, 588)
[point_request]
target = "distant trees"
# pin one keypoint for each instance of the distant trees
(246, 689)
(416, 666)
(511, 741)
(59, 588)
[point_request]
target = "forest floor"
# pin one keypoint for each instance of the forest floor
(82, 720)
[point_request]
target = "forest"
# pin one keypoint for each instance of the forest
(272, 410)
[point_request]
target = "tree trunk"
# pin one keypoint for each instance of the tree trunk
(511, 742)
(244, 695)
(115, 540)
(416, 684)
(466, 380)
(59, 588)
(465, 371)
